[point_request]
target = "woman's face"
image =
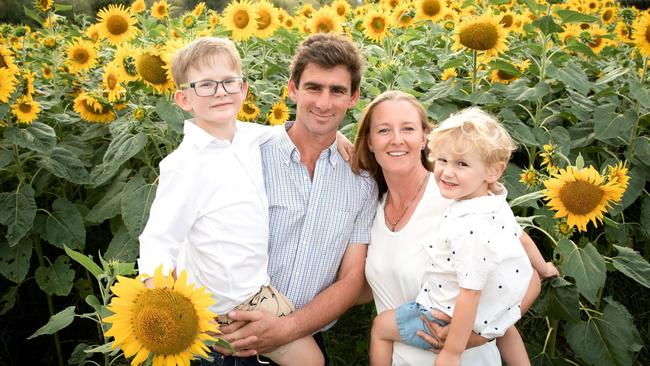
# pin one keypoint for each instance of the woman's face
(396, 136)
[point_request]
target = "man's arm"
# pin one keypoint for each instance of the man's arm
(264, 332)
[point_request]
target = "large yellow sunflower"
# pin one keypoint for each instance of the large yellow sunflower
(596, 39)
(7, 59)
(623, 33)
(324, 20)
(432, 10)
(581, 196)
(43, 5)
(571, 31)
(213, 19)
(482, 33)
(641, 34)
(248, 112)
(125, 60)
(342, 8)
(375, 25)
(608, 15)
(112, 82)
(170, 322)
(25, 109)
(267, 19)
(279, 113)
(240, 18)
(160, 9)
(403, 16)
(153, 70)
(7, 84)
(138, 6)
(117, 24)
(91, 110)
(81, 56)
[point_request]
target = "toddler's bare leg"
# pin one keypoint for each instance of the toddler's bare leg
(384, 332)
(512, 349)
(301, 352)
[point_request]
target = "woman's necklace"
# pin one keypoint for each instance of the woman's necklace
(399, 218)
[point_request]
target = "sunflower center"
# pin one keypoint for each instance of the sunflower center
(378, 24)
(505, 75)
(161, 10)
(117, 24)
(431, 8)
(150, 68)
(607, 15)
(165, 321)
(479, 36)
(111, 81)
(241, 19)
(248, 109)
(340, 10)
(80, 55)
(25, 107)
(264, 20)
(580, 198)
(506, 20)
(277, 113)
(595, 42)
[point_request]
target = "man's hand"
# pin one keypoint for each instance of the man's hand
(256, 332)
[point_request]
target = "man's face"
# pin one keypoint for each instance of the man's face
(322, 98)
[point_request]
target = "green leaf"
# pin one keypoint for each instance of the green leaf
(438, 91)
(522, 133)
(8, 299)
(123, 247)
(6, 158)
(32, 14)
(17, 212)
(639, 92)
(64, 225)
(560, 300)
(86, 261)
(539, 91)
(644, 220)
(532, 196)
(57, 278)
(572, 76)
(611, 74)
(57, 322)
(65, 164)
(136, 202)
(571, 16)
(609, 126)
(109, 206)
(14, 261)
(547, 25)
(38, 137)
(505, 66)
(62, 7)
(122, 148)
(642, 149)
(79, 354)
(585, 265)
(632, 264)
(610, 340)
(171, 114)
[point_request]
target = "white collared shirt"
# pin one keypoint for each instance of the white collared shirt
(210, 214)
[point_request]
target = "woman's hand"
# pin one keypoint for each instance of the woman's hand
(437, 333)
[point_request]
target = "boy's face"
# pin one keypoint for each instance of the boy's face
(465, 176)
(218, 110)
(322, 98)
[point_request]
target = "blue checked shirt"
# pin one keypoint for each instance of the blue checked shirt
(312, 221)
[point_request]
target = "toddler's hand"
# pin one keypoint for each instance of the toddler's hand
(549, 270)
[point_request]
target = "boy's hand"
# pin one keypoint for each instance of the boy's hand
(344, 146)
(549, 270)
(446, 358)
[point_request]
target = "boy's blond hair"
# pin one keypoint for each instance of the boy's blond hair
(202, 52)
(472, 129)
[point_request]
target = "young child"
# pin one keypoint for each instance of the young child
(479, 270)
(210, 213)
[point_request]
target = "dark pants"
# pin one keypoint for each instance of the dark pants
(221, 360)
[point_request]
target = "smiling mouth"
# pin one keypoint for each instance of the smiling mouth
(449, 183)
(397, 153)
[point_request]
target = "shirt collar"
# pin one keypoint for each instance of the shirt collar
(290, 152)
(200, 138)
(480, 205)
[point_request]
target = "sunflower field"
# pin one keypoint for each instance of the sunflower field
(86, 115)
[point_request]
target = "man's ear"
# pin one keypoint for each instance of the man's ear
(354, 98)
(181, 100)
(495, 171)
(292, 90)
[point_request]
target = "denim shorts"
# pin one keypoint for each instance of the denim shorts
(409, 322)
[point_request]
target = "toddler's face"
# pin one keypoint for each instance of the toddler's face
(461, 176)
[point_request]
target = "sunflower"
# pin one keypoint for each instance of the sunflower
(160, 9)
(138, 6)
(170, 322)
(125, 59)
(593, 6)
(81, 56)
(289, 22)
(595, 39)
(248, 112)
(564, 229)
(324, 20)
(91, 110)
(448, 73)
(623, 33)
(306, 11)
(7, 59)
(199, 9)
(641, 34)
(581, 196)
(153, 70)
(140, 113)
(46, 72)
(267, 19)
(7, 84)
(117, 24)
(213, 19)
(403, 16)
(189, 20)
(50, 42)
(529, 177)
(94, 32)
(279, 113)
(503, 77)
(28, 82)
(375, 25)
(571, 31)
(608, 15)
(342, 8)
(25, 109)
(43, 5)
(112, 82)
(617, 174)
(507, 21)
(239, 17)
(482, 33)
(432, 10)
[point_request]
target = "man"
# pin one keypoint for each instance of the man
(320, 211)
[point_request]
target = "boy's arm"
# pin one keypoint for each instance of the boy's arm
(545, 269)
(460, 328)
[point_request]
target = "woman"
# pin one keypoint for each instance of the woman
(392, 146)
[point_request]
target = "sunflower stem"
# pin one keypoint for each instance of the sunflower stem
(50, 304)
(552, 337)
(474, 67)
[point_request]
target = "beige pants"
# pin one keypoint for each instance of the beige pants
(269, 300)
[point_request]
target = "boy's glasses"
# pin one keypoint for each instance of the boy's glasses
(208, 88)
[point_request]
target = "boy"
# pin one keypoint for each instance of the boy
(210, 214)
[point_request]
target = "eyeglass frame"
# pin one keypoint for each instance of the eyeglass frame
(219, 82)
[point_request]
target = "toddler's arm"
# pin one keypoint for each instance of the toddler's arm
(545, 269)
(460, 328)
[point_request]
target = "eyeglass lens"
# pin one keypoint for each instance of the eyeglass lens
(208, 88)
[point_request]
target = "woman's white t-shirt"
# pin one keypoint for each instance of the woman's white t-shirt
(395, 267)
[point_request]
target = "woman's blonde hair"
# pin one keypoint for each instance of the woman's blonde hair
(364, 159)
